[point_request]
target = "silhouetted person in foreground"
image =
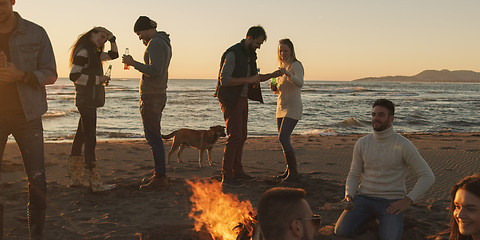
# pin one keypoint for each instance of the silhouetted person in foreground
(465, 209)
(284, 214)
(27, 64)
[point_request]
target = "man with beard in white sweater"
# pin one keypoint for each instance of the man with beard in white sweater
(382, 160)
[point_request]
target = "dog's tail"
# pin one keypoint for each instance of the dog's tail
(169, 135)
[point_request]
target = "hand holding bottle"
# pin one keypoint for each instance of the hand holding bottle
(126, 59)
(108, 74)
(104, 80)
(273, 86)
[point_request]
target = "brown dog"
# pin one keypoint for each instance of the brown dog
(199, 139)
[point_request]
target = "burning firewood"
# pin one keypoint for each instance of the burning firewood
(222, 214)
(248, 230)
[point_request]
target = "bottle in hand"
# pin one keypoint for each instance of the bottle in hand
(126, 66)
(108, 73)
(273, 85)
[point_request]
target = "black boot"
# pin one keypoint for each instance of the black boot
(292, 166)
(36, 221)
(37, 203)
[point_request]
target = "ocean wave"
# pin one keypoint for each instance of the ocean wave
(120, 89)
(61, 93)
(351, 122)
(187, 91)
(339, 90)
(321, 132)
(417, 122)
(119, 135)
(341, 106)
(461, 123)
(350, 90)
(64, 97)
(54, 114)
(405, 94)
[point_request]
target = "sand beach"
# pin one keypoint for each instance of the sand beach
(126, 213)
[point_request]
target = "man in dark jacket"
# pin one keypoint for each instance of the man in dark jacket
(238, 80)
(153, 93)
(27, 64)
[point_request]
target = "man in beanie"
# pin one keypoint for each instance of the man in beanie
(153, 93)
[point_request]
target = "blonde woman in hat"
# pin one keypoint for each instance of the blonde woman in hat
(153, 93)
(87, 74)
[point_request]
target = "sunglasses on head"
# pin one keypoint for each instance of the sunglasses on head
(316, 220)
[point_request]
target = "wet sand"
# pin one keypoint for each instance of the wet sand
(126, 213)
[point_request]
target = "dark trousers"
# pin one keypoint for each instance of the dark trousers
(86, 135)
(236, 119)
(29, 138)
(151, 108)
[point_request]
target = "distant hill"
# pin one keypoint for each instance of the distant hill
(431, 76)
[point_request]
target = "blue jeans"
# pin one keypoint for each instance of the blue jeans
(29, 138)
(151, 107)
(353, 222)
(86, 134)
(285, 128)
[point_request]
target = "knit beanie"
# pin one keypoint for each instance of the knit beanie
(144, 23)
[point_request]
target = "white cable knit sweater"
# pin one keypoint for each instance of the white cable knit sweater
(382, 160)
(289, 102)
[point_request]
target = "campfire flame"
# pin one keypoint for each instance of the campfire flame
(222, 214)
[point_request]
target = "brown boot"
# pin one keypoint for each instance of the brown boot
(75, 171)
(285, 173)
(96, 184)
(157, 182)
(292, 166)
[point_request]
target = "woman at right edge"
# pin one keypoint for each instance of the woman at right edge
(289, 104)
(465, 209)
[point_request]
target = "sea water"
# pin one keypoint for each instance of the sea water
(329, 108)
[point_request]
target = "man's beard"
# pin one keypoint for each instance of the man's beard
(250, 47)
(380, 127)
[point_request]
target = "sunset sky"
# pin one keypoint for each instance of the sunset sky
(337, 40)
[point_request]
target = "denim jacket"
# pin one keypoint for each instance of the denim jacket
(31, 51)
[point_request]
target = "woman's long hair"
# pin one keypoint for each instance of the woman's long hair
(85, 41)
(470, 184)
(292, 58)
